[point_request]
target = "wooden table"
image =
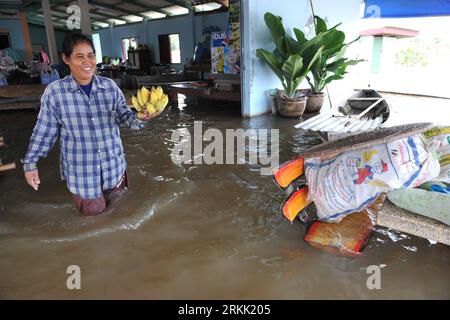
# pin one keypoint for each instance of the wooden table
(26, 96)
(195, 90)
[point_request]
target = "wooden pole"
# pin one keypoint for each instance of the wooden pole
(8, 166)
(50, 31)
(26, 35)
(85, 17)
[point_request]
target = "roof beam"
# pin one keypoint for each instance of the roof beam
(145, 7)
(32, 5)
(95, 11)
(93, 20)
(182, 3)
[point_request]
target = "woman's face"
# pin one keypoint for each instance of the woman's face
(82, 62)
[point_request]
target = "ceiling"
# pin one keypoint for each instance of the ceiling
(104, 13)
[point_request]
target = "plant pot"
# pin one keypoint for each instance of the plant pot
(274, 93)
(303, 92)
(291, 107)
(315, 102)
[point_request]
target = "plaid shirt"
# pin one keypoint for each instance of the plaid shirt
(92, 157)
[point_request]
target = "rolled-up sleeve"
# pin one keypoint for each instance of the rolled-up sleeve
(124, 115)
(45, 133)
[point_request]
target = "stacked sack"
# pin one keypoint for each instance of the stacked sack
(441, 137)
(355, 179)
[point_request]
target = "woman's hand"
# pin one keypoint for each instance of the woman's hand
(147, 116)
(33, 179)
(154, 115)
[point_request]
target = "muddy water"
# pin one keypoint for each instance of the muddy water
(188, 231)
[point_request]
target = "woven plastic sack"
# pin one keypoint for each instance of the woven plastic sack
(441, 135)
(354, 179)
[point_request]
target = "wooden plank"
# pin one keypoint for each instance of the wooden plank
(8, 166)
(23, 90)
(19, 106)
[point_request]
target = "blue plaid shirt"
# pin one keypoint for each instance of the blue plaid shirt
(92, 157)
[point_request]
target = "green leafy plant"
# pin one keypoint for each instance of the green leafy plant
(330, 64)
(292, 59)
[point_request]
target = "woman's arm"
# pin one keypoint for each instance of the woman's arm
(45, 134)
(124, 115)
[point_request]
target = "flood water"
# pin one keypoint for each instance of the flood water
(191, 231)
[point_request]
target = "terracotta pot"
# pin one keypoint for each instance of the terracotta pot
(315, 102)
(291, 107)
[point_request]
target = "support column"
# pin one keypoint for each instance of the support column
(26, 35)
(49, 31)
(111, 40)
(85, 17)
(377, 52)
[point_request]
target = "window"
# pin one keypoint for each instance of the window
(169, 48)
(5, 41)
(97, 47)
(127, 43)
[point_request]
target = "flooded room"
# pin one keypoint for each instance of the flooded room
(224, 150)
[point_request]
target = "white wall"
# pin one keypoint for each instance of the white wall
(258, 79)
(347, 12)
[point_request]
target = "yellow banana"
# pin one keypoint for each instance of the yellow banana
(139, 96)
(136, 104)
(159, 105)
(150, 108)
(164, 101)
(145, 94)
(159, 92)
(153, 97)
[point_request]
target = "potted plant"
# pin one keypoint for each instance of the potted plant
(287, 63)
(330, 65)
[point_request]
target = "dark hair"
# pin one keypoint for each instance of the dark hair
(72, 39)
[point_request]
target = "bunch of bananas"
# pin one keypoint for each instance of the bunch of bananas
(149, 102)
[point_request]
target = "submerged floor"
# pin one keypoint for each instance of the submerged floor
(190, 231)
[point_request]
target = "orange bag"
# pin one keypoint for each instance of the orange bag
(349, 236)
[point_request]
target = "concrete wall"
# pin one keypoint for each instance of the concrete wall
(188, 26)
(15, 32)
(38, 36)
(258, 79)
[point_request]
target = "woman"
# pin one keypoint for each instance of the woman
(84, 111)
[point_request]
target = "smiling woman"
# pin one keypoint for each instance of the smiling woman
(79, 55)
(83, 110)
